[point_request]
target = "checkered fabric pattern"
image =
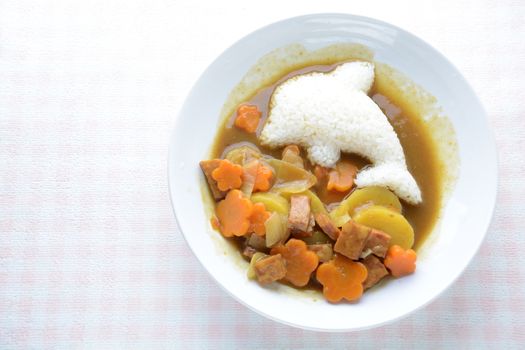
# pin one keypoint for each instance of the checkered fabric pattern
(89, 253)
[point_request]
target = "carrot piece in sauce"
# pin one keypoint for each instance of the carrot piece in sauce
(320, 173)
(400, 262)
(228, 175)
(248, 117)
(258, 218)
(234, 213)
(342, 278)
(215, 223)
(342, 177)
(263, 178)
(300, 262)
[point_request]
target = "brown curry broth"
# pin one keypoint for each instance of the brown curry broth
(419, 148)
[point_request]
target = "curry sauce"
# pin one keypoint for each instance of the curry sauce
(419, 147)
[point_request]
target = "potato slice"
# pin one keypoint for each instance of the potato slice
(364, 197)
(272, 202)
(339, 221)
(388, 221)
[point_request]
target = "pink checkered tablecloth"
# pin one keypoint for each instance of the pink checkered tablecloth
(89, 253)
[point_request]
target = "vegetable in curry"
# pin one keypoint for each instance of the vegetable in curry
(306, 225)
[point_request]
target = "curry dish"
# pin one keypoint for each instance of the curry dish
(308, 224)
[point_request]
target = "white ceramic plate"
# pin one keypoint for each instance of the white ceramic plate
(465, 219)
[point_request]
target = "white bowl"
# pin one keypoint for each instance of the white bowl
(465, 218)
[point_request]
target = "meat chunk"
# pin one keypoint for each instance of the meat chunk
(376, 271)
(299, 216)
(207, 167)
(309, 231)
(323, 251)
(327, 225)
(256, 241)
(249, 251)
(352, 239)
(270, 269)
(377, 243)
(311, 224)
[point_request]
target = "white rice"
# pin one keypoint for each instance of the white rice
(327, 113)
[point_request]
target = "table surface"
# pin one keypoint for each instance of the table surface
(89, 252)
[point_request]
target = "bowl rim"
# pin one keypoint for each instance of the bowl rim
(484, 116)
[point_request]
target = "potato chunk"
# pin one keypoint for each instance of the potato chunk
(388, 221)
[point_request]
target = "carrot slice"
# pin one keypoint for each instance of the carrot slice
(234, 213)
(400, 262)
(320, 173)
(215, 224)
(248, 117)
(342, 278)
(263, 178)
(228, 175)
(258, 218)
(342, 177)
(300, 262)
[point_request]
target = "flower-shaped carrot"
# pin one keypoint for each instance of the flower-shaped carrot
(342, 278)
(258, 218)
(263, 178)
(234, 213)
(300, 262)
(400, 262)
(342, 177)
(248, 117)
(215, 223)
(228, 175)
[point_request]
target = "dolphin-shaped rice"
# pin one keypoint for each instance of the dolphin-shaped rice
(327, 113)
